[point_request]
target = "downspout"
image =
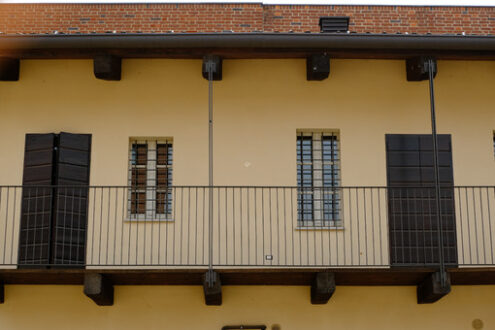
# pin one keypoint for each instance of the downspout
(443, 273)
(210, 67)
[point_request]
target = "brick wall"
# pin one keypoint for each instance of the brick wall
(158, 18)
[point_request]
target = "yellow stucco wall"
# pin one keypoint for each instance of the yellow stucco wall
(182, 307)
(258, 106)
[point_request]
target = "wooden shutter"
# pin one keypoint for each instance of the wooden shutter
(412, 208)
(37, 202)
(72, 179)
(54, 218)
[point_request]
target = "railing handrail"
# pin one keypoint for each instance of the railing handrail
(242, 186)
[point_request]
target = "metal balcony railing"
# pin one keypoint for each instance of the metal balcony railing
(169, 227)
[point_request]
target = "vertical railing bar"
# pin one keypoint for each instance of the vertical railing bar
(424, 225)
(227, 223)
(401, 226)
(271, 223)
(454, 229)
(79, 218)
(175, 226)
(64, 227)
(419, 201)
(445, 231)
(233, 228)
(482, 226)
(475, 227)
(284, 191)
(408, 203)
(13, 227)
(28, 224)
(19, 244)
(468, 226)
(256, 258)
(248, 206)
(432, 245)
(196, 227)
(181, 227)
(241, 223)
(461, 222)
(93, 226)
(336, 220)
(124, 202)
(114, 223)
(380, 220)
(108, 224)
(263, 223)
(166, 211)
(203, 237)
(219, 226)
(365, 226)
(129, 210)
(291, 223)
(6, 221)
(489, 224)
(300, 211)
(101, 217)
(350, 227)
(188, 223)
(373, 226)
(322, 202)
(358, 226)
(278, 227)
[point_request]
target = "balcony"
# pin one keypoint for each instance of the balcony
(250, 235)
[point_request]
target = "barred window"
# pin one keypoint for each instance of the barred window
(318, 179)
(150, 179)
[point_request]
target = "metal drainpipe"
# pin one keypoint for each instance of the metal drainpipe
(210, 66)
(443, 275)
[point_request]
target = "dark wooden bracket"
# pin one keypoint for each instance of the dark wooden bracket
(107, 67)
(417, 68)
(317, 67)
(322, 288)
(214, 63)
(9, 69)
(2, 292)
(99, 289)
(432, 289)
(212, 288)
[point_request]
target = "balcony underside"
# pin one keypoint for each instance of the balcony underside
(365, 277)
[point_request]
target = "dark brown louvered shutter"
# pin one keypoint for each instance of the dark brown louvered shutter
(412, 208)
(54, 210)
(71, 204)
(37, 202)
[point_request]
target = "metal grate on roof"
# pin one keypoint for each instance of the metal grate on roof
(334, 24)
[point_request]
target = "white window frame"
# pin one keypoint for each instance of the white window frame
(151, 175)
(317, 190)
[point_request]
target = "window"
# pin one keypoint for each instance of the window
(150, 179)
(318, 179)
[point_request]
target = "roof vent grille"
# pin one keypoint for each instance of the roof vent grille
(334, 24)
